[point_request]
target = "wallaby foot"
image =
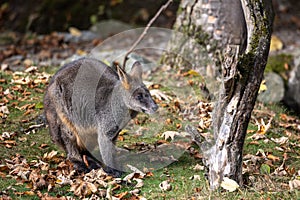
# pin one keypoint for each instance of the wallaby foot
(79, 166)
(91, 163)
(113, 172)
(85, 165)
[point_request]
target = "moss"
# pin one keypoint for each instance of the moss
(245, 64)
(277, 63)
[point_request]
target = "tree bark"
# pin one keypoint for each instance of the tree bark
(235, 48)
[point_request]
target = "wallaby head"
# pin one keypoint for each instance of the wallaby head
(136, 96)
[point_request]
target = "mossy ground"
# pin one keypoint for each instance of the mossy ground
(34, 143)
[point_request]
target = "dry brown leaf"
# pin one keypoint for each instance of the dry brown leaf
(75, 31)
(282, 140)
(198, 167)
(229, 184)
(63, 180)
(135, 192)
(276, 43)
(165, 186)
(170, 134)
(121, 195)
(42, 146)
(31, 68)
(262, 87)
(21, 80)
(83, 188)
(262, 127)
(160, 95)
(195, 177)
(257, 136)
(136, 170)
(29, 193)
(50, 155)
(4, 109)
(294, 184)
(140, 183)
(273, 158)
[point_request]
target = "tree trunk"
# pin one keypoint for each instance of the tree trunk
(230, 41)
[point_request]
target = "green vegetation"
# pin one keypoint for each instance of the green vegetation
(263, 154)
(277, 63)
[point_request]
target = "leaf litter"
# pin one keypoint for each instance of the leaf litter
(51, 171)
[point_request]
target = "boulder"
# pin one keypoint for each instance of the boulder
(274, 92)
(292, 95)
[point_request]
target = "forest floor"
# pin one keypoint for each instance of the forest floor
(32, 167)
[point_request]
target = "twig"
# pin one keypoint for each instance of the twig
(145, 31)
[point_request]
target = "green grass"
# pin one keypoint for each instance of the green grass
(178, 173)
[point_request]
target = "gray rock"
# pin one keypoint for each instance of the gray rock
(109, 27)
(292, 96)
(275, 89)
(85, 36)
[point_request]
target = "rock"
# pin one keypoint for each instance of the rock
(109, 27)
(292, 96)
(84, 36)
(275, 89)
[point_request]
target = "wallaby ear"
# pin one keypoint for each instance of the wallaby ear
(123, 77)
(137, 71)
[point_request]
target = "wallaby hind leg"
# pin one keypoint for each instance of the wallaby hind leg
(53, 121)
(91, 161)
(73, 151)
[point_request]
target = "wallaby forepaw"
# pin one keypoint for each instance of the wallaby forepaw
(113, 172)
(80, 166)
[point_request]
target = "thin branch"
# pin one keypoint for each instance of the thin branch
(145, 31)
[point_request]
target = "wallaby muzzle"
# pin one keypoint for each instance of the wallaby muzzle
(152, 108)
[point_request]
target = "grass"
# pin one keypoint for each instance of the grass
(30, 143)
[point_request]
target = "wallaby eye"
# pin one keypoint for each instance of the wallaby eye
(139, 96)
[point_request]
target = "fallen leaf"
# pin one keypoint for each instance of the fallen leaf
(273, 158)
(81, 52)
(262, 87)
(42, 146)
(198, 167)
(30, 69)
(193, 73)
(83, 188)
(165, 186)
(160, 95)
(262, 127)
(124, 131)
(63, 180)
(195, 177)
(140, 182)
(229, 184)
(50, 155)
(294, 184)
(170, 134)
(39, 105)
(282, 140)
(265, 169)
(121, 195)
(276, 43)
(4, 109)
(135, 192)
(136, 170)
(257, 136)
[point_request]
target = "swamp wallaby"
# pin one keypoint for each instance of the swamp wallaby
(87, 103)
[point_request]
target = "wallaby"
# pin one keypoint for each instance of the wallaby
(87, 104)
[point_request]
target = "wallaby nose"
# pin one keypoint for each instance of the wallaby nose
(154, 107)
